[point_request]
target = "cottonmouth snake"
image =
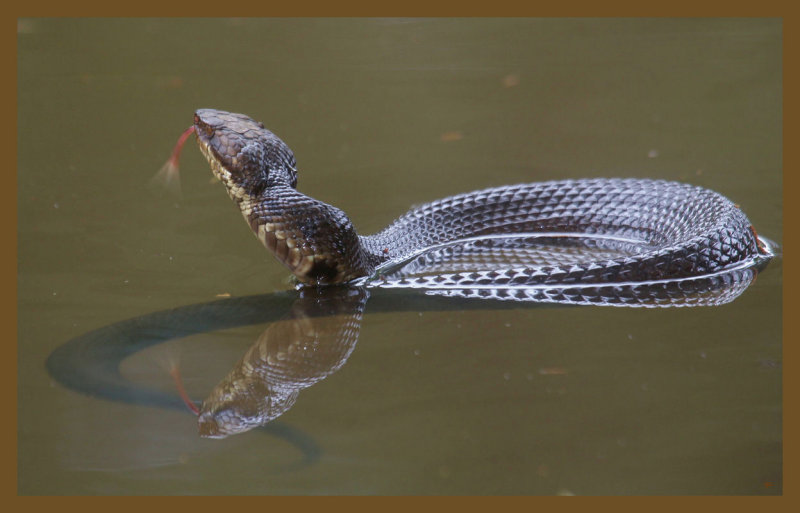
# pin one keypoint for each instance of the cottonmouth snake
(528, 241)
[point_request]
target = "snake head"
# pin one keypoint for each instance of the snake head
(236, 406)
(243, 155)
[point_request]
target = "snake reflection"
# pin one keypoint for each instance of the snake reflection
(320, 332)
(312, 342)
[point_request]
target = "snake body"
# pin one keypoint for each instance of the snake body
(626, 230)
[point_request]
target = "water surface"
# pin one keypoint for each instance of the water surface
(383, 114)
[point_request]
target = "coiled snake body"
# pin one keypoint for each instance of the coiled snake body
(625, 230)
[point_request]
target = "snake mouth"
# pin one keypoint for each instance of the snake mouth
(209, 144)
(220, 172)
(213, 158)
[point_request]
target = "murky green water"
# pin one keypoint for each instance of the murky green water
(383, 114)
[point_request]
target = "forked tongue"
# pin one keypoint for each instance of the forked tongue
(176, 377)
(168, 177)
(167, 357)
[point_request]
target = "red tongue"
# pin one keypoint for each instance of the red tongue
(176, 376)
(176, 152)
(168, 176)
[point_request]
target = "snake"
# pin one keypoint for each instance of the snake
(600, 233)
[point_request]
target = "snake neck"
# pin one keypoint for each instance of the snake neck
(316, 241)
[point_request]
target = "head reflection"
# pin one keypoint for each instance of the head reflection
(312, 342)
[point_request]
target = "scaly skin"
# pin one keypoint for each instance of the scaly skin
(647, 229)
